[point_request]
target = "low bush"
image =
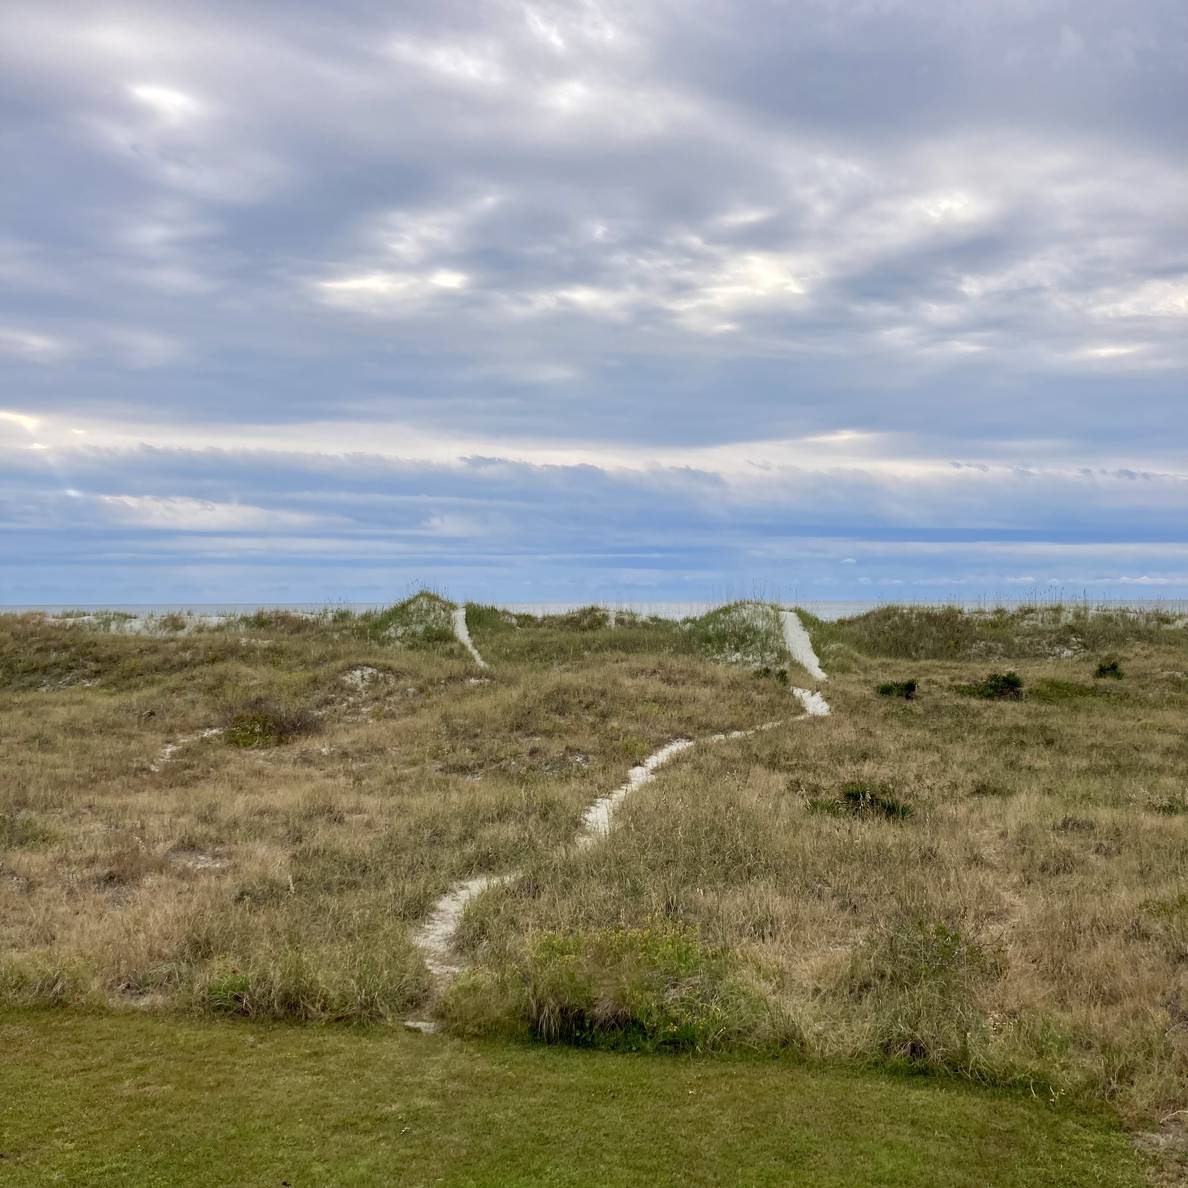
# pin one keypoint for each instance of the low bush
(261, 722)
(640, 989)
(998, 686)
(34, 982)
(740, 633)
(860, 800)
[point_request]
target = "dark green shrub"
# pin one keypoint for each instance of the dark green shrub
(905, 689)
(864, 801)
(859, 800)
(998, 686)
(261, 722)
(339, 986)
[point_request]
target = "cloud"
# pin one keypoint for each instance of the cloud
(651, 252)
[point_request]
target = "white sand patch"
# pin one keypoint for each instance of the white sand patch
(170, 749)
(436, 937)
(463, 634)
(814, 704)
(359, 678)
(800, 646)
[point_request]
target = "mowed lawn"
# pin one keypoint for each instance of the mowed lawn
(95, 1099)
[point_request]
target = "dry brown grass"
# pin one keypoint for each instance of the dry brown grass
(285, 879)
(1028, 920)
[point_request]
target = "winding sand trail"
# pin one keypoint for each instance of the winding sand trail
(463, 634)
(596, 821)
(436, 936)
(799, 645)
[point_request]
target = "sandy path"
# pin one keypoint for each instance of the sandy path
(463, 634)
(799, 645)
(435, 939)
(596, 821)
(814, 704)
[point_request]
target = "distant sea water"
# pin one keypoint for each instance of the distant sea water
(823, 608)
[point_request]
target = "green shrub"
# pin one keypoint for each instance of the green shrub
(261, 722)
(998, 686)
(37, 982)
(424, 620)
(740, 633)
(642, 989)
(860, 800)
(905, 689)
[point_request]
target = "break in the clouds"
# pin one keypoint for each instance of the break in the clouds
(582, 299)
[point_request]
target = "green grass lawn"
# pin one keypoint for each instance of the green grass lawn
(131, 1099)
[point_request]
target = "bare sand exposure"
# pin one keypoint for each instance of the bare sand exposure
(463, 634)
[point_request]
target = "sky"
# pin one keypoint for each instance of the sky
(589, 300)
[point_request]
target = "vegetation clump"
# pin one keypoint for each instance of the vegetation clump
(22, 830)
(741, 633)
(861, 800)
(425, 619)
(923, 979)
(655, 988)
(905, 689)
(292, 985)
(998, 686)
(261, 722)
(1110, 667)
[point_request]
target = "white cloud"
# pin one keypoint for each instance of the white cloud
(32, 346)
(477, 66)
(167, 103)
(379, 293)
(185, 514)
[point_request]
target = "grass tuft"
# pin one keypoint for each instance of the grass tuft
(262, 722)
(998, 686)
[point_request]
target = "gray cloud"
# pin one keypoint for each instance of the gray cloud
(529, 230)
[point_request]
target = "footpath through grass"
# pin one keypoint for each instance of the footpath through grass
(152, 1100)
